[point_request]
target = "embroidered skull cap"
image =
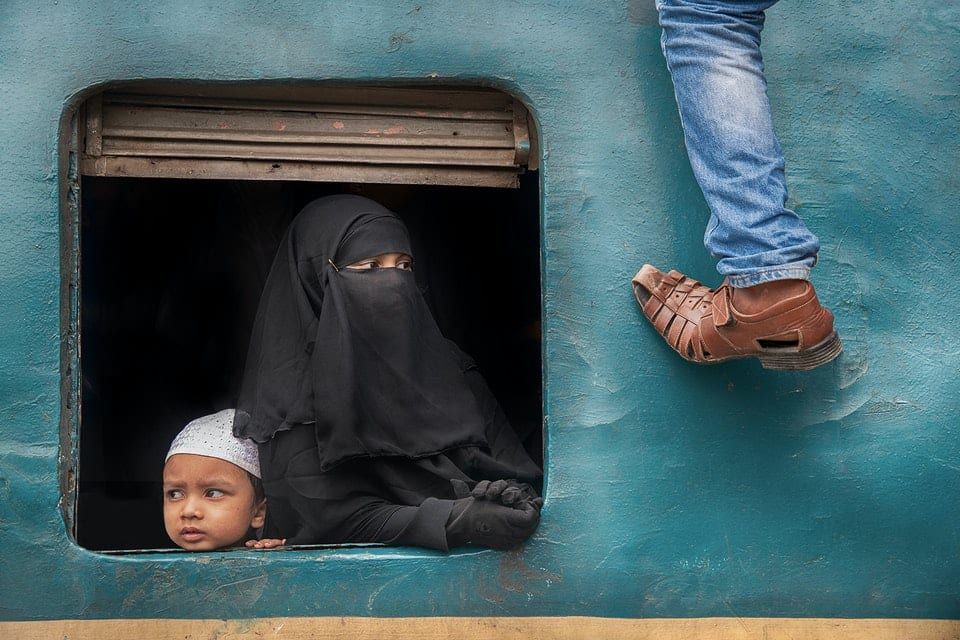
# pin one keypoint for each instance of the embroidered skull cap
(212, 436)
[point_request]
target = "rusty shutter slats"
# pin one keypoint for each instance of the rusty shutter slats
(304, 152)
(220, 169)
(267, 126)
(474, 137)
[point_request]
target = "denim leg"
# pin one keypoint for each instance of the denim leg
(712, 50)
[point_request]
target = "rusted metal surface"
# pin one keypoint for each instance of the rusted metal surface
(521, 136)
(93, 134)
(332, 153)
(464, 137)
(212, 169)
(70, 318)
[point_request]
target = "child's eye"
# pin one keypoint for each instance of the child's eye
(215, 493)
(174, 494)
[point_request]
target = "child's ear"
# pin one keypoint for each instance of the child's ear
(259, 514)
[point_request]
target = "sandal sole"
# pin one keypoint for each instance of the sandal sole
(811, 358)
(788, 360)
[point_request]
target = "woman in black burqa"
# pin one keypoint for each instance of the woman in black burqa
(372, 426)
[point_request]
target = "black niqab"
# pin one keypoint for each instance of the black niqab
(354, 353)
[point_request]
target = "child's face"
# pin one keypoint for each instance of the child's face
(208, 503)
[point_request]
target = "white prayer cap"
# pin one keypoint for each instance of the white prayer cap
(212, 436)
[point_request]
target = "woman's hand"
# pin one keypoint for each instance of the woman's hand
(491, 524)
(508, 492)
(266, 543)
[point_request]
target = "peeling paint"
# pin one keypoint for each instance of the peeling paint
(517, 576)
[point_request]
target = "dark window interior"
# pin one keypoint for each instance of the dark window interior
(166, 264)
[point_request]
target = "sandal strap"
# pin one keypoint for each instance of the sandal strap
(722, 314)
(676, 309)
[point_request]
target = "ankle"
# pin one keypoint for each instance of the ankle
(751, 300)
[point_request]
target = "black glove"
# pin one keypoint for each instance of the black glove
(462, 489)
(519, 492)
(490, 524)
(508, 492)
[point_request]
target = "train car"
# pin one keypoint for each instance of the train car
(153, 152)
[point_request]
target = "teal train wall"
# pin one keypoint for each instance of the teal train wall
(672, 490)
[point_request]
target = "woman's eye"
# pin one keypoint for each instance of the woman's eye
(364, 266)
(215, 493)
(405, 265)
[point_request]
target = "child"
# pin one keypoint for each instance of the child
(212, 494)
(373, 426)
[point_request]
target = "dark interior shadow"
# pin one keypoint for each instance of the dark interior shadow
(171, 274)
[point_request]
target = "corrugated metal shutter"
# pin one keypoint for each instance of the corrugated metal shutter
(452, 136)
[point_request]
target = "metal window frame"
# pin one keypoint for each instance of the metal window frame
(82, 154)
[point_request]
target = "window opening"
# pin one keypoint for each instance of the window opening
(166, 263)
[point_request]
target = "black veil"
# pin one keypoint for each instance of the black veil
(356, 354)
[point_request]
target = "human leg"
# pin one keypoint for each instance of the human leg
(712, 50)
(764, 308)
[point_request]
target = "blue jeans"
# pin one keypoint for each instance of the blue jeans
(713, 54)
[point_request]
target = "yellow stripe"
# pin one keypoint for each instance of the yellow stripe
(566, 628)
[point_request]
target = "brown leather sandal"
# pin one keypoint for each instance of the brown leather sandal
(699, 323)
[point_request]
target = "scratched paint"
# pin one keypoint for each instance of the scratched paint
(673, 490)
